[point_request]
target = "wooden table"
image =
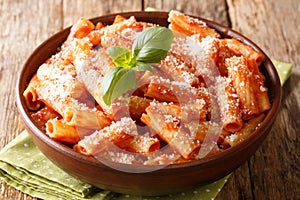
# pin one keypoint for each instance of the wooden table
(272, 173)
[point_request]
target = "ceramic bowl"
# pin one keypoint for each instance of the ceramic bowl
(169, 179)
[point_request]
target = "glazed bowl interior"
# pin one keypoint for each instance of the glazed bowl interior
(169, 179)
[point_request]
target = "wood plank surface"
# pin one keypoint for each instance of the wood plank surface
(21, 31)
(272, 173)
(215, 10)
(74, 9)
(274, 169)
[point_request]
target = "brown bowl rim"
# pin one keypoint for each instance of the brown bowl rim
(222, 29)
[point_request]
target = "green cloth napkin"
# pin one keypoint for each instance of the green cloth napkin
(24, 167)
(284, 70)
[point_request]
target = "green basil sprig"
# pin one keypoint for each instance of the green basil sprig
(150, 46)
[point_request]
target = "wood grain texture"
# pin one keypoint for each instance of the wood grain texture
(215, 10)
(74, 9)
(16, 46)
(21, 31)
(272, 173)
(275, 27)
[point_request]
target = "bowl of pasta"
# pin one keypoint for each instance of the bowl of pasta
(148, 103)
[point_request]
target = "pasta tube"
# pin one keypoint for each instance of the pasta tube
(229, 105)
(249, 85)
(178, 70)
(140, 144)
(43, 115)
(189, 26)
(168, 128)
(110, 135)
(30, 95)
(80, 29)
(172, 91)
(60, 131)
(237, 48)
(247, 129)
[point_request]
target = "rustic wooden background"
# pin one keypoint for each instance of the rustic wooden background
(272, 173)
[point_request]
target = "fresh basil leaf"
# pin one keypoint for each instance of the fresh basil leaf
(121, 56)
(143, 67)
(123, 80)
(152, 44)
(126, 82)
(108, 80)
